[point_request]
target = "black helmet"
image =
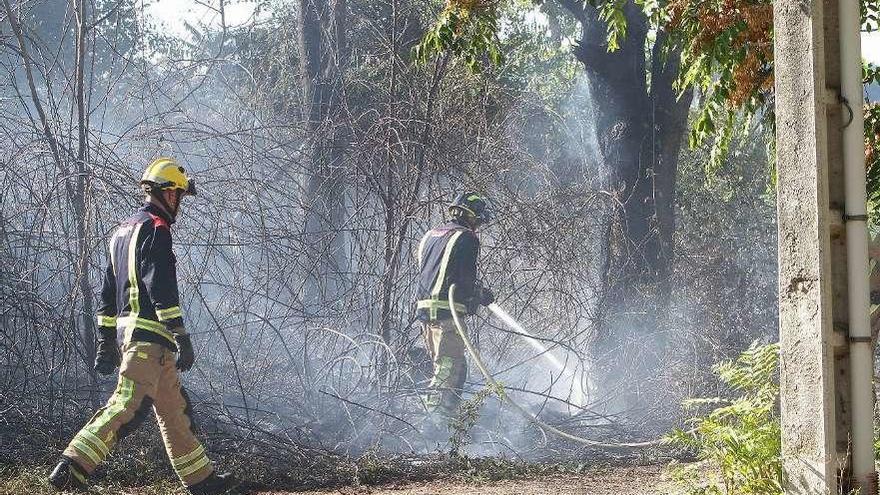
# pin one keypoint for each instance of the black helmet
(472, 207)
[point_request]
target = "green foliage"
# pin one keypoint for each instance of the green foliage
(468, 415)
(739, 440)
(613, 14)
(726, 50)
(537, 55)
(727, 56)
(469, 29)
(871, 75)
(870, 11)
(470, 33)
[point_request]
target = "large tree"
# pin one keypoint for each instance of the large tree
(324, 52)
(640, 124)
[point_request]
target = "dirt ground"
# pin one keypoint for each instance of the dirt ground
(638, 480)
(620, 480)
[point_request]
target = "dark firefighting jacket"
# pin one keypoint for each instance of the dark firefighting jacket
(447, 255)
(139, 294)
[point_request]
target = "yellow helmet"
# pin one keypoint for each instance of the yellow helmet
(167, 174)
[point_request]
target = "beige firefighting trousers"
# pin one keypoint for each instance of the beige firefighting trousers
(446, 349)
(147, 377)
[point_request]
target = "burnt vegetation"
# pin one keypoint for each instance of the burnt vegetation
(323, 151)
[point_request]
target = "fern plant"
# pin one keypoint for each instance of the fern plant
(739, 440)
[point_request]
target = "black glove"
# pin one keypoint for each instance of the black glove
(107, 356)
(486, 296)
(185, 355)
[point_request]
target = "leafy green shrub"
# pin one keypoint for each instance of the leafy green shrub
(466, 28)
(468, 416)
(739, 441)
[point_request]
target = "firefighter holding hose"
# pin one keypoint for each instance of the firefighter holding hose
(448, 255)
(139, 296)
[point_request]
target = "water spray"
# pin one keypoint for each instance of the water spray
(543, 351)
(526, 335)
(516, 406)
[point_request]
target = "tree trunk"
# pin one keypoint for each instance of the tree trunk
(640, 130)
(640, 124)
(79, 195)
(323, 51)
(669, 122)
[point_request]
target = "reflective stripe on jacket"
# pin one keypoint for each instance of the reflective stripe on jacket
(139, 293)
(447, 255)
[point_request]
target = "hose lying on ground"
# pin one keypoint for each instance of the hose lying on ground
(520, 409)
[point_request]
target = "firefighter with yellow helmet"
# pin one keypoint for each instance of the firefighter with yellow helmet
(139, 298)
(448, 255)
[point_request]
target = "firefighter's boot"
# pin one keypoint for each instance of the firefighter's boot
(68, 476)
(213, 484)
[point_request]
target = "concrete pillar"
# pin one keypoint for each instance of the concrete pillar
(805, 322)
(813, 298)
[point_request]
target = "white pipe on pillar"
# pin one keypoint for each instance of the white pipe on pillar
(860, 345)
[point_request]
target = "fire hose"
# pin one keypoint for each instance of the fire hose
(520, 409)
